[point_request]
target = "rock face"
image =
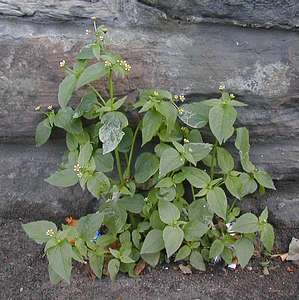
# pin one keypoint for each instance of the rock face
(189, 47)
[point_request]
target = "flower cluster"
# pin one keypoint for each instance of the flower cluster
(77, 170)
(124, 64)
(50, 232)
(179, 98)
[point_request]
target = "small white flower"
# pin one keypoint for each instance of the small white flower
(62, 63)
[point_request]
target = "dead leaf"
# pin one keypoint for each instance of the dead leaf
(185, 269)
(293, 250)
(140, 267)
(282, 256)
(266, 271)
(71, 221)
(290, 269)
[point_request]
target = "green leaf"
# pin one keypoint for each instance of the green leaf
(64, 119)
(264, 215)
(242, 140)
(132, 204)
(196, 177)
(198, 150)
(54, 277)
(147, 164)
(216, 248)
(96, 263)
(247, 165)
(151, 258)
(86, 52)
(264, 179)
(183, 253)
(168, 212)
(217, 202)
(247, 223)
(199, 211)
(43, 132)
(170, 160)
(63, 178)
(151, 123)
(221, 119)
(86, 105)
(115, 217)
(249, 185)
(66, 89)
(196, 261)
(169, 112)
(225, 160)
(89, 224)
(244, 250)
(173, 238)
(60, 259)
(38, 230)
(98, 184)
(91, 73)
(194, 115)
(126, 142)
(111, 133)
(71, 142)
(194, 230)
(113, 268)
(104, 162)
(234, 185)
(153, 242)
(85, 154)
(155, 221)
(267, 236)
(227, 255)
(165, 183)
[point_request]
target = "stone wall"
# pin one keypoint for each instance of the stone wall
(187, 46)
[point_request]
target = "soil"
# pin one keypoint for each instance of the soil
(23, 275)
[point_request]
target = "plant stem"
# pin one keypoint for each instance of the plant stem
(128, 169)
(232, 206)
(118, 165)
(97, 93)
(111, 92)
(192, 188)
(213, 160)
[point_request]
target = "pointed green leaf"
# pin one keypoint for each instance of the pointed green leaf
(66, 89)
(38, 230)
(216, 248)
(113, 268)
(170, 160)
(244, 250)
(267, 236)
(43, 132)
(247, 223)
(153, 242)
(225, 160)
(63, 178)
(217, 202)
(196, 261)
(91, 73)
(168, 212)
(264, 179)
(221, 119)
(151, 123)
(98, 184)
(147, 164)
(183, 253)
(173, 238)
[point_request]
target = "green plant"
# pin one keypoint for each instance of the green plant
(145, 214)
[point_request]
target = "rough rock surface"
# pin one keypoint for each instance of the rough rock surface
(188, 47)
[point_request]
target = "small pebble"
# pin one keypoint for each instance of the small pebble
(21, 290)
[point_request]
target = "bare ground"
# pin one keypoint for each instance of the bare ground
(23, 275)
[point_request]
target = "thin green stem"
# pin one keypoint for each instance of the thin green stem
(128, 169)
(111, 91)
(212, 171)
(97, 93)
(118, 165)
(232, 206)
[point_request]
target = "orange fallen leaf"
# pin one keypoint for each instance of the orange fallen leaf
(290, 269)
(140, 267)
(71, 221)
